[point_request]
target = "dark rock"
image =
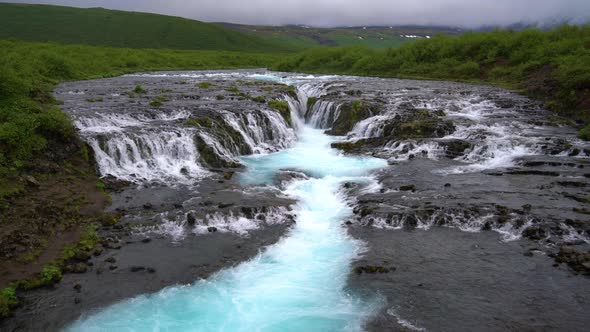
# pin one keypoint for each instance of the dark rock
(82, 256)
(225, 205)
(77, 300)
(372, 269)
(535, 233)
(190, 219)
(151, 270)
(455, 148)
(447, 185)
(78, 268)
(78, 287)
(110, 260)
(228, 175)
(146, 240)
(577, 260)
(113, 267)
(137, 268)
(212, 229)
(409, 187)
(533, 172)
(148, 206)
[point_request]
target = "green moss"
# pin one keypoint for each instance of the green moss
(201, 121)
(204, 85)
(350, 114)
(8, 301)
(139, 89)
(259, 99)
(584, 133)
(311, 101)
(159, 101)
(283, 107)
(87, 242)
(233, 89)
(94, 100)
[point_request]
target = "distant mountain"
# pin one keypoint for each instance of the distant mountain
(102, 27)
(373, 36)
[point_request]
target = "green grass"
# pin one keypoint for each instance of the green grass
(102, 27)
(551, 65)
(204, 85)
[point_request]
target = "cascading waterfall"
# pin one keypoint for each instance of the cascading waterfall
(298, 284)
(141, 147)
(148, 155)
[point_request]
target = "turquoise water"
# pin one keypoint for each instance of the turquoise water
(298, 284)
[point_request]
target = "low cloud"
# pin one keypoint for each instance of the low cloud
(463, 13)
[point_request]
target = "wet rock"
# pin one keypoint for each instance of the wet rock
(409, 187)
(97, 251)
(137, 268)
(110, 260)
(372, 269)
(190, 219)
(455, 148)
(78, 287)
(533, 172)
(535, 233)
(151, 270)
(77, 268)
(113, 184)
(148, 206)
(228, 175)
(211, 229)
(447, 185)
(146, 240)
(577, 260)
(82, 256)
(113, 267)
(77, 300)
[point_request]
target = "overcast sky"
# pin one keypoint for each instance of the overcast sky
(465, 13)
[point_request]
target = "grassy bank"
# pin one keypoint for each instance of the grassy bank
(551, 65)
(29, 118)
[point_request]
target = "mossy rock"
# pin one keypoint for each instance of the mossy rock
(352, 113)
(283, 107)
(201, 121)
(310, 102)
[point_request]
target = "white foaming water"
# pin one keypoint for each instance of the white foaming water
(147, 155)
(298, 284)
(264, 131)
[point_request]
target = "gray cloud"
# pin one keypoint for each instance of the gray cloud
(465, 13)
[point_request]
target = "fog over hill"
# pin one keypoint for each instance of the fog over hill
(330, 13)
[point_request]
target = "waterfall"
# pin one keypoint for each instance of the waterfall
(159, 146)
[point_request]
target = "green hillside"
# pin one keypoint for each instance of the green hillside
(102, 27)
(370, 36)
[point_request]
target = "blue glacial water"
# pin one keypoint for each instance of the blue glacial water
(298, 284)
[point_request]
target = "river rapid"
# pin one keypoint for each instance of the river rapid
(262, 201)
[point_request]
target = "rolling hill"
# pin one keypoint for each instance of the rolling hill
(113, 28)
(371, 36)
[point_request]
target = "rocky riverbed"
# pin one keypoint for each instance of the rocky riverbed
(479, 221)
